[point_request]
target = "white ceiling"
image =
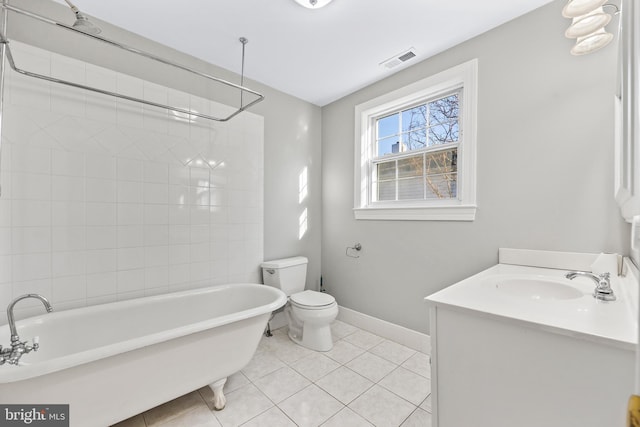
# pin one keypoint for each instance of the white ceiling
(317, 55)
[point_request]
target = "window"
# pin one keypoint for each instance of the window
(415, 150)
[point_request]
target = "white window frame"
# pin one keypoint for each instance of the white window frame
(461, 208)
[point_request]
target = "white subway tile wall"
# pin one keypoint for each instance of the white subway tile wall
(105, 200)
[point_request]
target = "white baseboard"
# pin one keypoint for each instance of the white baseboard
(407, 337)
(396, 333)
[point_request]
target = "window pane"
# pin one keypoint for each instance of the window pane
(415, 140)
(442, 186)
(411, 166)
(387, 171)
(424, 176)
(442, 161)
(411, 189)
(414, 118)
(408, 178)
(444, 110)
(443, 133)
(388, 146)
(388, 126)
(387, 190)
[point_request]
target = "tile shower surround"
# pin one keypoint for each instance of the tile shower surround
(106, 199)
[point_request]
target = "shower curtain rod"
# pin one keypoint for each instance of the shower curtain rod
(5, 43)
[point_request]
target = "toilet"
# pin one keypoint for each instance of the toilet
(309, 313)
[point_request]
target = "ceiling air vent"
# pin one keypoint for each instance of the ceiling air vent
(400, 58)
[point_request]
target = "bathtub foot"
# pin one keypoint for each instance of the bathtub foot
(219, 399)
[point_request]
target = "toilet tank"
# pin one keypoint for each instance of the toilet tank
(287, 274)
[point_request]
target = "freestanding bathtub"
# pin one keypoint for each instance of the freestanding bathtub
(112, 361)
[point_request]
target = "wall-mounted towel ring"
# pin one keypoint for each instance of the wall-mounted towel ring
(356, 247)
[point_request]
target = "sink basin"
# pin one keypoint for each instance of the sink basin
(536, 288)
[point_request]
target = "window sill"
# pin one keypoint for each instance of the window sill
(433, 213)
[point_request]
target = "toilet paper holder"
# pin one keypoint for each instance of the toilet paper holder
(356, 247)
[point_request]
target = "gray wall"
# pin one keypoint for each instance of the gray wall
(545, 158)
(545, 172)
(292, 128)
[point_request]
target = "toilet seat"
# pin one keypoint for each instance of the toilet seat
(312, 300)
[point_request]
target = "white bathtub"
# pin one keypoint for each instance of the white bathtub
(112, 361)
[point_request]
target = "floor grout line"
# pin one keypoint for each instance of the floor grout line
(277, 348)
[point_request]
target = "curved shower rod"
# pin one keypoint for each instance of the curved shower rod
(5, 43)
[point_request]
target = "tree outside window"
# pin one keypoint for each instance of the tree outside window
(430, 130)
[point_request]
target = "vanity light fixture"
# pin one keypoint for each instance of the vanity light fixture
(576, 8)
(587, 24)
(313, 4)
(589, 20)
(592, 42)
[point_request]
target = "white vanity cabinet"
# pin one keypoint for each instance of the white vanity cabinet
(491, 372)
(531, 354)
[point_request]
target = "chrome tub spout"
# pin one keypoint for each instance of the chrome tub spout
(12, 354)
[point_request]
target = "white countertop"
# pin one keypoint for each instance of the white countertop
(611, 323)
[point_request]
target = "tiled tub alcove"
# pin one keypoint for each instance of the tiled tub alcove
(106, 199)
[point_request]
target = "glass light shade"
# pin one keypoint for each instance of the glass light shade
(576, 8)
(587, 24)
(313, 4)
(592, 42)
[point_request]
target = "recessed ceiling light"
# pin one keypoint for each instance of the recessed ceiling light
(313, 4)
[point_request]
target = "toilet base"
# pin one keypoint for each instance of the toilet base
(318, 339)
(315, 332)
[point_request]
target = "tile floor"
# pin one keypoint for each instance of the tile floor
(365, 380)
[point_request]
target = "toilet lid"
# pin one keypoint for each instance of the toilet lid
(312, 299)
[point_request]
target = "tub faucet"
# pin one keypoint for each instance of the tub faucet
(12, 355)
(603, 291)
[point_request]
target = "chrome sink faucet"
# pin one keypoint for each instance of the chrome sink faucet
(603, 291)
(12, 355)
